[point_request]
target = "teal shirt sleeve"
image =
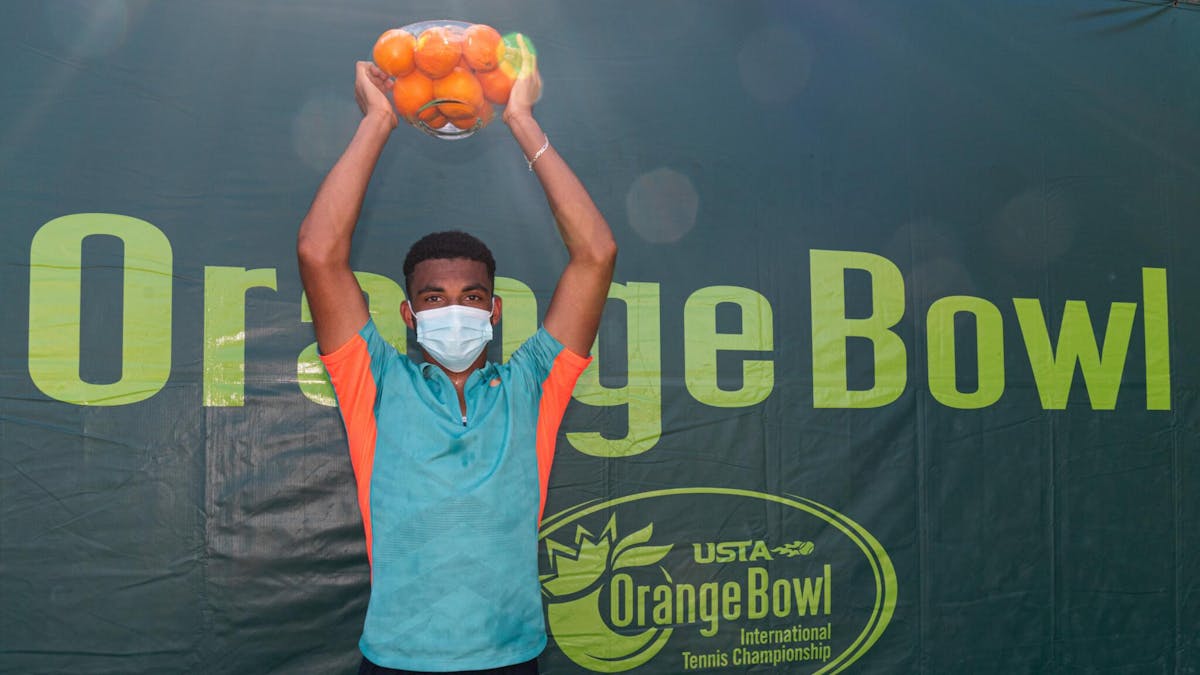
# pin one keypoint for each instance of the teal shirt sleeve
(535, 357)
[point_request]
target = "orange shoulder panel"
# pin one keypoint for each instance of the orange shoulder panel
(556, 393)
(349, 370)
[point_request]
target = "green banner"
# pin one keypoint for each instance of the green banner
(895, 375)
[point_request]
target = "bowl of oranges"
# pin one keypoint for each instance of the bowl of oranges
(448, 76)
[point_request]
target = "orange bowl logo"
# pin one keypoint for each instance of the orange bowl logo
(704, 578)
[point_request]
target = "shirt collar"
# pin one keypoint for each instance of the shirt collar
(486, 371)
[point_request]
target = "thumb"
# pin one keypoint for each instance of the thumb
(528, 58)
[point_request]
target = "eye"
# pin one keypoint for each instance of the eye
(431, 299)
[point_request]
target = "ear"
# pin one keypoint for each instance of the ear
(406, 313)
(497, 309)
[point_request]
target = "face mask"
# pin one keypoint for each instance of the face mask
(454, 335)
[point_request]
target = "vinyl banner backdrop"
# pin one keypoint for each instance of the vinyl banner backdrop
(898, 373)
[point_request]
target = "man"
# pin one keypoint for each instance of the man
(451, 456)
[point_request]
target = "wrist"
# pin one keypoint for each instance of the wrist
(384, 119)
(512, 117)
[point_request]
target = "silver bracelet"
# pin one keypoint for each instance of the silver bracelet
(538, 154)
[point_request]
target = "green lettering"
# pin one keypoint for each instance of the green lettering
(661, 612)
(1054, 367)
(828, 586)
(519, 320)
(55, 279)
(760, 551)
(642, 392)
(831, 327)
(989, 352)
(620, 597)
(731, 602)
(709, 595)
(702, 342)
(808, 595)
(757, 586)
(1158, 338)
(685, 603)
(225, 331)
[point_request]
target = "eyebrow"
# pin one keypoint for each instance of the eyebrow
(438, 289)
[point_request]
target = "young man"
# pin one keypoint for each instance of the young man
(451, 456)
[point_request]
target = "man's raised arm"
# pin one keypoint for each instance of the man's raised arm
(574, 313)
(323, 245)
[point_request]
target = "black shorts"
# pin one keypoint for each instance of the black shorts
(527, 668)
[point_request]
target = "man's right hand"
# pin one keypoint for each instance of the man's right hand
(371, 85)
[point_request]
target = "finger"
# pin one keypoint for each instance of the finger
(526, 58)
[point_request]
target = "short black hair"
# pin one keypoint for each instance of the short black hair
(448, 245)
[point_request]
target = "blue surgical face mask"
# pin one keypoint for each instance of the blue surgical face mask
(454, 335)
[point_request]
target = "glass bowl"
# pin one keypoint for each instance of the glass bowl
(448, 77)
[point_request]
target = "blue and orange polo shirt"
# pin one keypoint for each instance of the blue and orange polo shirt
(451, 505)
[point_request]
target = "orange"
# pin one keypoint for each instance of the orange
(437, 52)
(432, 118)
(394, 52)
(410, 92)
(462, 92)
(486, 113)
(496, 84)
(481, 47)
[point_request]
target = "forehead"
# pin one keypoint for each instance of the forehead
(449, 274)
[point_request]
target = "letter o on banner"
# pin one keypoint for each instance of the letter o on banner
(55, 276)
